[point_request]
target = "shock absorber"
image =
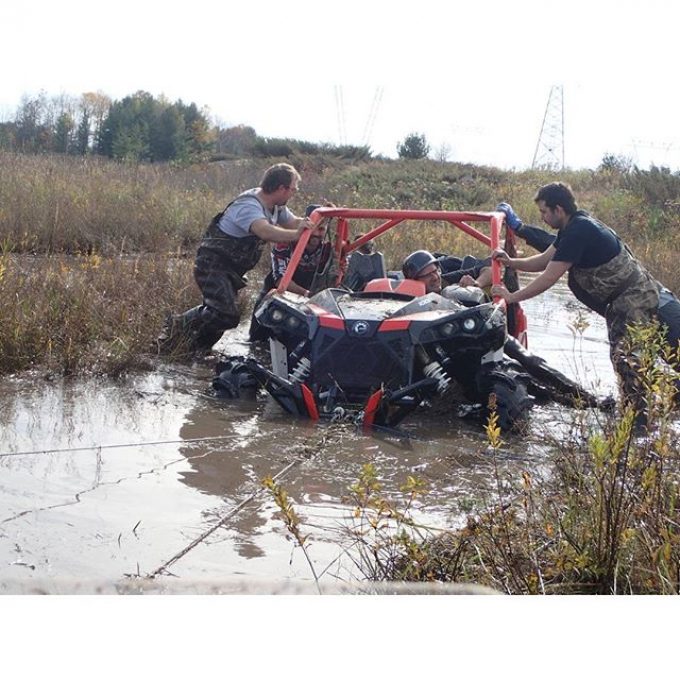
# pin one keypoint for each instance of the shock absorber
(301, 371)
(433, 369)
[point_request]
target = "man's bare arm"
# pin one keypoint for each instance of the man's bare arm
(535, 263)
(272, 233)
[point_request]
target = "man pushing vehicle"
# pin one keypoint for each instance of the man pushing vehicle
(603, 274)
(231, 247)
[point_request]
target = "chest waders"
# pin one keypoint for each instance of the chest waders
(219, 270)
(627, 294)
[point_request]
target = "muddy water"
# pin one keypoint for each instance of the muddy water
(101, 482)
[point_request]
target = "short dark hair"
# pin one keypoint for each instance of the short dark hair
(281, 174)
(557, 193)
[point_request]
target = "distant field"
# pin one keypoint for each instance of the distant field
(59, 203)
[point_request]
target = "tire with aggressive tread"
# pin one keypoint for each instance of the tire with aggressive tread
(513, 402)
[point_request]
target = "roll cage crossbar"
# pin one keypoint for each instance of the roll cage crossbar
(343, 247)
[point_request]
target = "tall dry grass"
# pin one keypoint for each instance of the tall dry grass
(60, 204)
(87, 314)
(56, 205)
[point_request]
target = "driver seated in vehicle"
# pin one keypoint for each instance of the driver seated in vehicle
(423, 266)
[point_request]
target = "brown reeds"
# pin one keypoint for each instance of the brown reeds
(89, 207)
(87, 313)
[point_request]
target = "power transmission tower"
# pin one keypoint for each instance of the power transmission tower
(549, 152)
(666, 147)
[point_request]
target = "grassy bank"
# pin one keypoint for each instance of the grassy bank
(133, 220)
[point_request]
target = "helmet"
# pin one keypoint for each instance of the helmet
(416, 262)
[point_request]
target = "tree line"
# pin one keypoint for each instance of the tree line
(141, 127)
(144, 128)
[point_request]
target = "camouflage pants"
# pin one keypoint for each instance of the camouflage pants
(220, 295)
(628, 295)
(625, 311)
(199, 328)
(221, 263)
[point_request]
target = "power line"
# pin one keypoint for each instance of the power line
(663, 146)
(668, 151)
(99, 447)
(375, 105)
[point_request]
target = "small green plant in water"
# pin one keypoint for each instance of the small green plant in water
(290, 520)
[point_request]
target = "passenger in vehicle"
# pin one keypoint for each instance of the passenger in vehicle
(422, 265)
(603, 274)
(314, 258)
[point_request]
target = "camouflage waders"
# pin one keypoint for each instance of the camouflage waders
(627, 293)
(221, 264)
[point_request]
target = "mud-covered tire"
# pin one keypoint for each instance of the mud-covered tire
(233, 378)
(510, 389)
(513, 403)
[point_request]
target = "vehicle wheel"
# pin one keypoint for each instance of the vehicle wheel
(233, 378)
(513, 402)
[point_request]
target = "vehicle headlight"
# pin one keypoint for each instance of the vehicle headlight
(469, 324)
(447, 329)
(292, 322)
(277, 315)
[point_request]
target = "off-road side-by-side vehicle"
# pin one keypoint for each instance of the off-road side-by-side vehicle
(378, 353)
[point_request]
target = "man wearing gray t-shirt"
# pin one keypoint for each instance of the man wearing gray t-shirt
(232, 246)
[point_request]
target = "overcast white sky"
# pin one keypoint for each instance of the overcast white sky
(474, 75)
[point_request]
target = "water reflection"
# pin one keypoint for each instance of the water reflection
(229, 469)
(570, 338)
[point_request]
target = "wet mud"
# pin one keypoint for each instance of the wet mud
(103, 482)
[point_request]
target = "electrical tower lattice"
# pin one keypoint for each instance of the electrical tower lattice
(549, 154)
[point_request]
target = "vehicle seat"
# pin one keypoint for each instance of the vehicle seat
(361, 268)
(410, 287)
(383, 285)
(403, 286)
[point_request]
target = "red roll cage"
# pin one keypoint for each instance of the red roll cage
(343, 247)
(391, 218)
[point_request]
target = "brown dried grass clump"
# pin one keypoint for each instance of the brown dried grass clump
(87, 314)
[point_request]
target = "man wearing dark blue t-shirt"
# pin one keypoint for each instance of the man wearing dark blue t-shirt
(603, 274)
